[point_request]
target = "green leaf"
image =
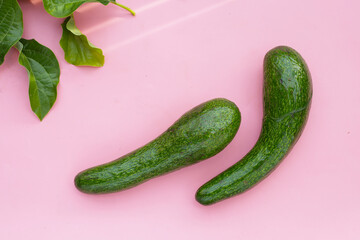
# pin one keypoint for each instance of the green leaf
(64, 8)
(11, 26)
(104, 2)
(78, 50)
(44, 71)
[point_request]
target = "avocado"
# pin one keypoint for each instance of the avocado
(287, 98)
(199, 134)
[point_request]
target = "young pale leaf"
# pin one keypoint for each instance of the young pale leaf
(78, 50)
(64, 8)
(44, 71)
(11, 26)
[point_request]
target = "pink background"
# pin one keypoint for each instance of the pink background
(174, 55)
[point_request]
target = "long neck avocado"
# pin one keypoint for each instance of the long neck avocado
(199, 134)
(287, 100)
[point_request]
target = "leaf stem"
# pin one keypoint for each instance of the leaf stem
(124, 7)
(18, 45)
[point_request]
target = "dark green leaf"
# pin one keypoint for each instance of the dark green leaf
(78, 50)
(64, 8)
(11, 26)
(44, 71)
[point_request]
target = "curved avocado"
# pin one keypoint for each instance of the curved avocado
(199, 134)
(287, 99)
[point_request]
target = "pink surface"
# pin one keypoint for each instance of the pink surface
(169, 58)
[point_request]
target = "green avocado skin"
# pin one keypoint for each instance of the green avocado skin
(287, 99)
(199, 134)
